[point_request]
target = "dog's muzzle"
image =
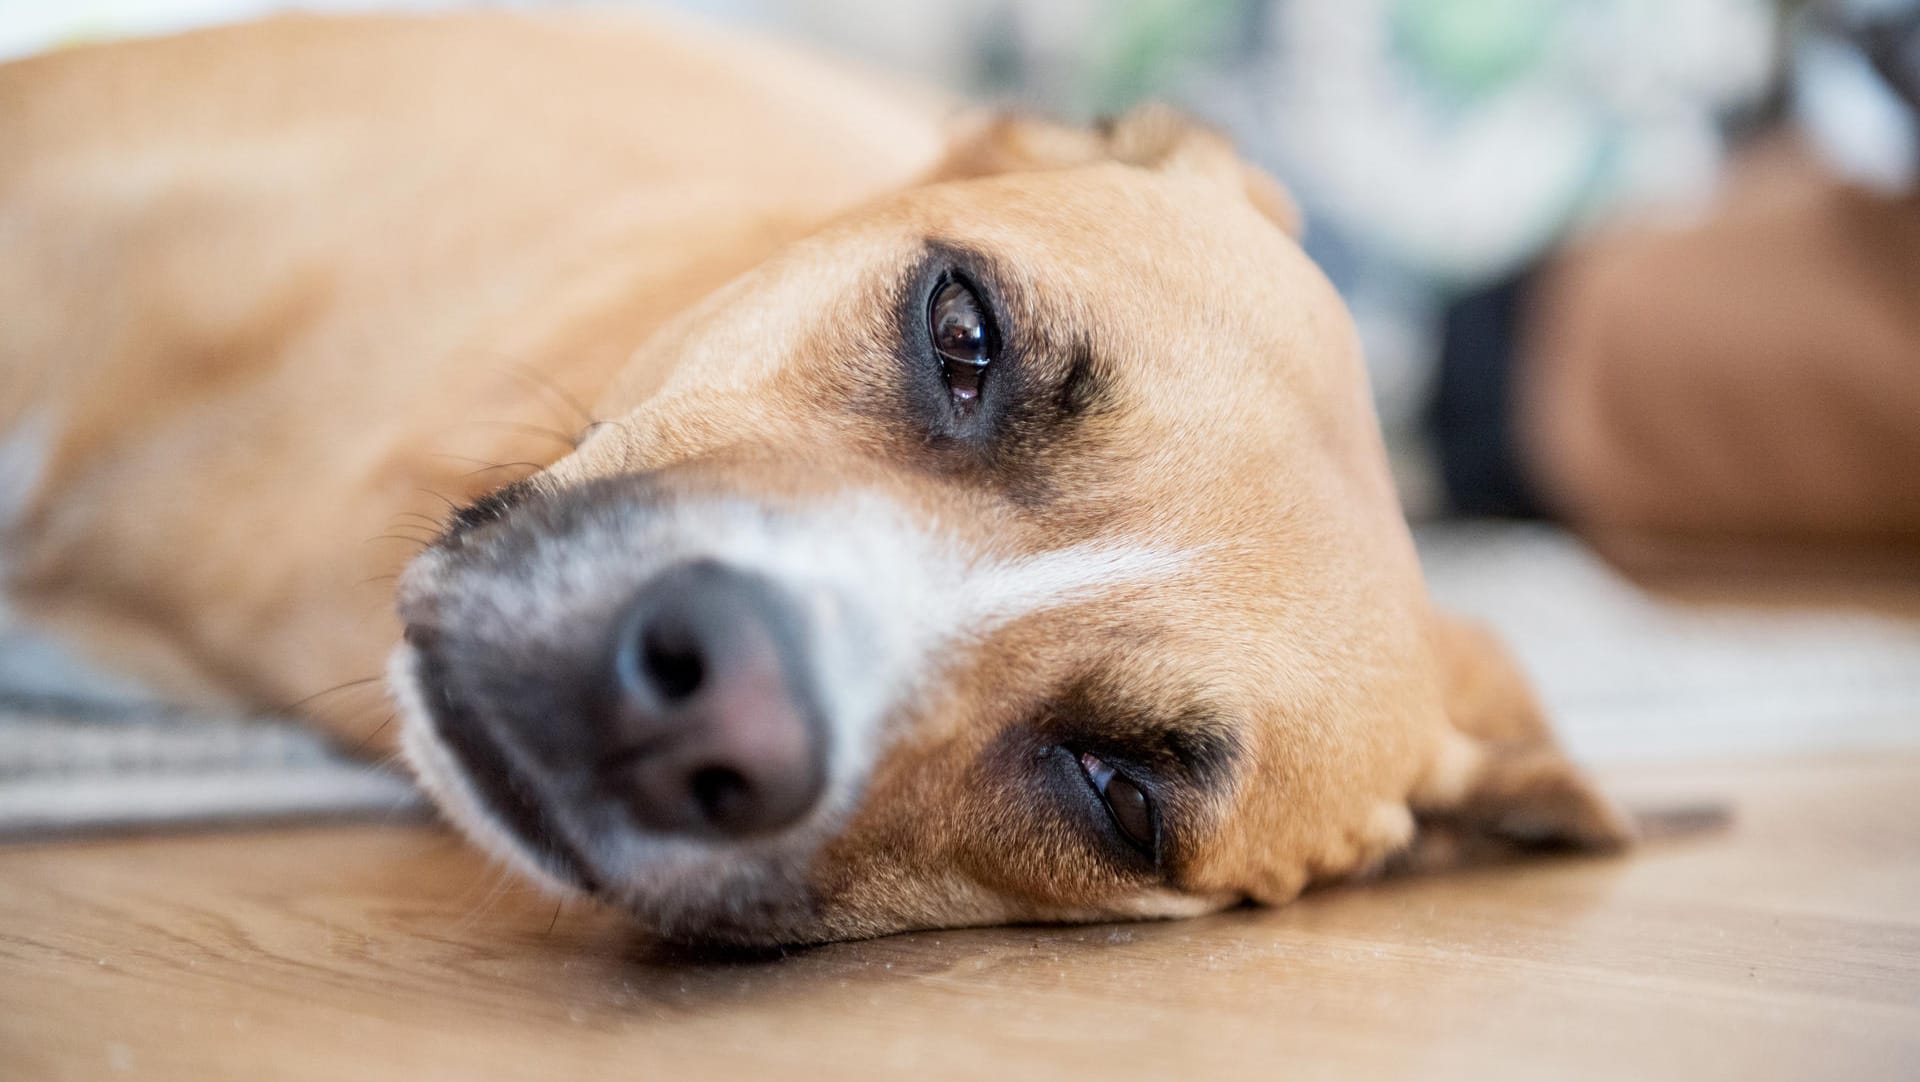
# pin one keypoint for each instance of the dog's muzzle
(675, 701)
(658, 700)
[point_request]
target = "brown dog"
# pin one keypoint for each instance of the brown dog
(986, 520)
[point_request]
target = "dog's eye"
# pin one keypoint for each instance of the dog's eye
(1129, 805)
(963, 337)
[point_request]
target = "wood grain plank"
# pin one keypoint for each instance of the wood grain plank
(1787, 947)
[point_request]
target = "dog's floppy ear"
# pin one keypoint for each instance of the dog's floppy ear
(1499, 777)
(1154, 136)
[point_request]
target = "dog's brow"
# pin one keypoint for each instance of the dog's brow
(1180, 732)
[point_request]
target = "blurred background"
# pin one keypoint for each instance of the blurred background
(1440, 147)
(1638, 281)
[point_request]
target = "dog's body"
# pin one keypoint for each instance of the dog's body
(272, 293)
(267, 289)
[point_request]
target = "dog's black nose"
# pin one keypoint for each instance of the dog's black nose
(712, 727)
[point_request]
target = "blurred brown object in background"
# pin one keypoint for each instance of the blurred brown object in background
(1754, 376)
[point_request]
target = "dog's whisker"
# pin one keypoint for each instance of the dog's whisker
(414, 520)
(431, 525)
(424, 543)
(465, 902)
(451, 505)
(343, 686)
(487, 466)
(532, 430)
(540, 381)
(504, 882)
(377, 730)
(532, 467)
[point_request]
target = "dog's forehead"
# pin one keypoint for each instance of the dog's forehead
(1241, 425)
(1234, 369)
(1158, 267)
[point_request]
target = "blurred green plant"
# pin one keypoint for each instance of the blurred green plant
(1467, 48)
(1143, 48)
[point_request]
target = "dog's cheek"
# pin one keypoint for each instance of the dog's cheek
(884, 900)
(897, 865)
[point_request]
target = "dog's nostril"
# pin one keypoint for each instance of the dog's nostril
(673, 664)
(710, 727)
(724, 796)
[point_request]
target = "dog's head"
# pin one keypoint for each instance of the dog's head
(1019, 548)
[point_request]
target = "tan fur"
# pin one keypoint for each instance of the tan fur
(283, 288)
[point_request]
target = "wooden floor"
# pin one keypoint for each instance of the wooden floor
(1787, 947)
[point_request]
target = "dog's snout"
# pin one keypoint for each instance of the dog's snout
(711, 726)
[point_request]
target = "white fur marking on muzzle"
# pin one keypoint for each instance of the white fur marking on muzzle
(885, 598)
(1002, 591)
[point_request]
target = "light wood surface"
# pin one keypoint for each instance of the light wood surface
(1786, 947)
